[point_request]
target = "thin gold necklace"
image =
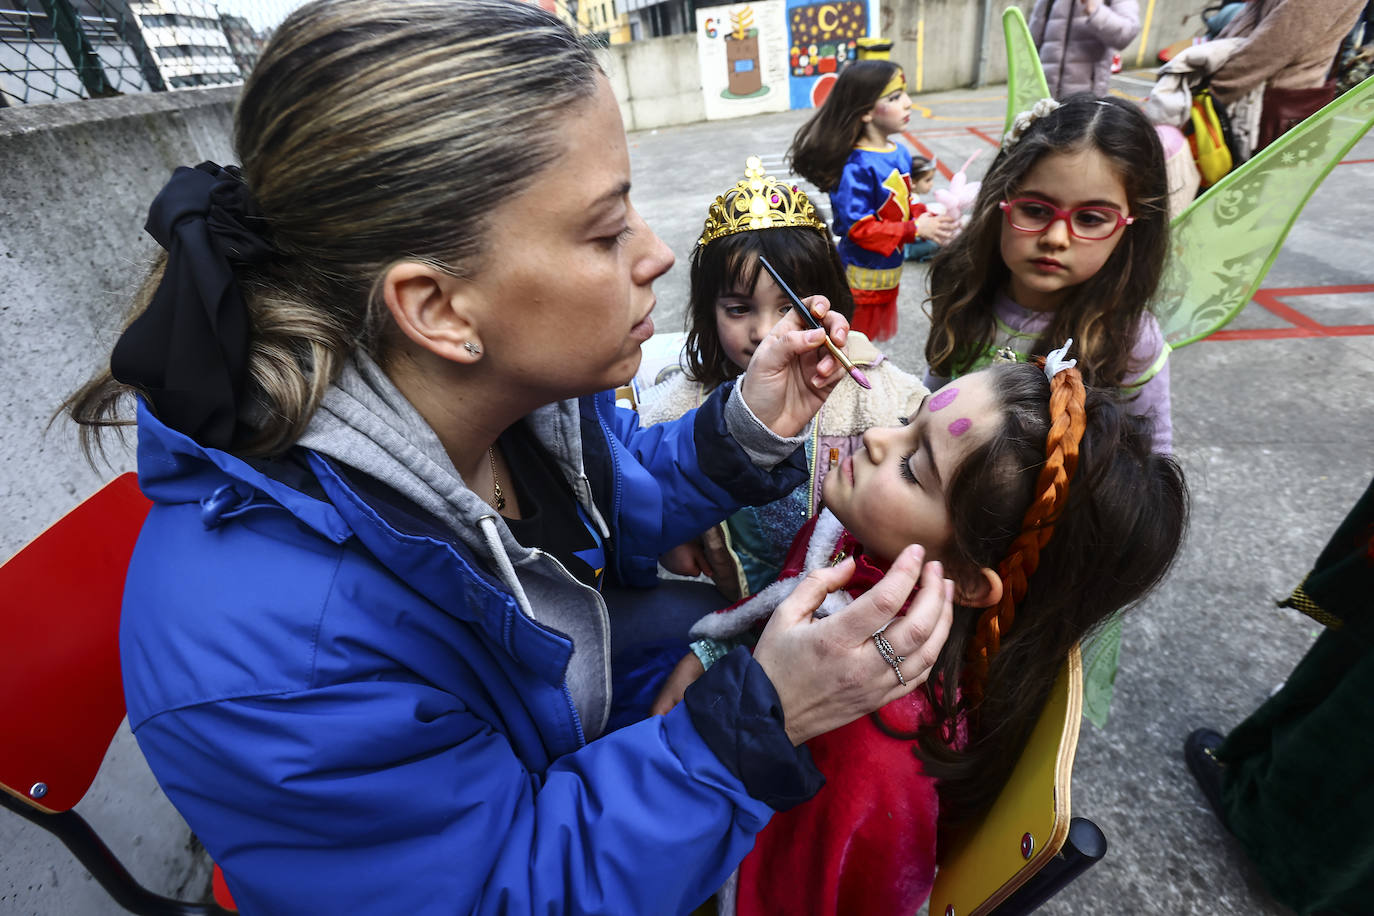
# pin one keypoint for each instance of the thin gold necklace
(495, 484)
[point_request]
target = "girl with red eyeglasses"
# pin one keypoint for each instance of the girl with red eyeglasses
(1068, 238)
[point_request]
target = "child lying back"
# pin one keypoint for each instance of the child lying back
(1049, 511)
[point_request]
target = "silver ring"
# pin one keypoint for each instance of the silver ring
(890, 655)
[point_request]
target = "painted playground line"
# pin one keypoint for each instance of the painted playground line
(1272, 300)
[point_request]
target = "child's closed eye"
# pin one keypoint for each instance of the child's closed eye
(904, 468)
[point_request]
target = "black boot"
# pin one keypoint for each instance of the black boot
(1199, 750)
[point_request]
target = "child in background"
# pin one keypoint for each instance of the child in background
(844, 150)
(1068, 238)
(922, 182)
(1049, 510)
(733, 304)
(1077, 40)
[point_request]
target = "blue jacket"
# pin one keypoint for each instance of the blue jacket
(354, 716)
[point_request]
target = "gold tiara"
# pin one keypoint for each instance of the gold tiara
(759, 201)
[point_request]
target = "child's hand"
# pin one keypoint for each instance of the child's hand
(686, 560)
(939, 229)
(685, 672)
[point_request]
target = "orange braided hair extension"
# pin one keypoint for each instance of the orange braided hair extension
(1068, 420)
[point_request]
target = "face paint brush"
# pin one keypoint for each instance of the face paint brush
(835, 351)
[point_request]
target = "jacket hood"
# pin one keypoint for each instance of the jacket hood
(366, 424)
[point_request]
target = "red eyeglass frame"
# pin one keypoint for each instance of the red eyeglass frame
(1066, 216)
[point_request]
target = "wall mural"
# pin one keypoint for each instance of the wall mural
(742, 51)
(822, 38)
(775, 54)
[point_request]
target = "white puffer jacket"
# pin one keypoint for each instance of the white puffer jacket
(1075, 48)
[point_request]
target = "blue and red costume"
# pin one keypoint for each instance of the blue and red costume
(875, 218)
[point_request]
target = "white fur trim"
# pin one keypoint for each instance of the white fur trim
(734, 620)
(824, 537)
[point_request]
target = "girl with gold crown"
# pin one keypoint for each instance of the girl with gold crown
(732, 305)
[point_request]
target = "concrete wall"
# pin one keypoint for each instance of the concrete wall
(657, 81)
(955, 41)
(941, 43)
(75, 183)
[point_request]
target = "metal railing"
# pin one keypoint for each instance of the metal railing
(58, 50)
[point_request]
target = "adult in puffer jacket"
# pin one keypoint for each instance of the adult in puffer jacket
(1077, 38)
(363, 640)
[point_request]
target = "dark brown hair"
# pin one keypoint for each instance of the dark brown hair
(1103, 314)
(1115, 539)
(805, 257)
(372, 133)
(822, 145)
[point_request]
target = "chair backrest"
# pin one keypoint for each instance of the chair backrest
(59, 659)
(59, 655)
(1027, 826)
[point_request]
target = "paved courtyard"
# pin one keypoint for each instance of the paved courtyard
(1273, 425)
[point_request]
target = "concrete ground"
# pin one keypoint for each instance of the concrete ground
(1274, 432)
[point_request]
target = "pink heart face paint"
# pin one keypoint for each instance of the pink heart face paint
(943, 398)
(960, 426)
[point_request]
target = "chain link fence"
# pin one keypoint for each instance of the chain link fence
(58, 50)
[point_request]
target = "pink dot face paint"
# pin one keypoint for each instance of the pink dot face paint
(943, 398)
(960, 426)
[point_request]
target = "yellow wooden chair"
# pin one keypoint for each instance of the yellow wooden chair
(1027, 847)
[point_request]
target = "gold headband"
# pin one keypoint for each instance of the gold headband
(759, 201)
(898, 81)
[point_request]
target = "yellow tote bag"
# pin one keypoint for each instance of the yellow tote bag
(1207, 136)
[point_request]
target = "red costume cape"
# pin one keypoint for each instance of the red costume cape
(866, 842)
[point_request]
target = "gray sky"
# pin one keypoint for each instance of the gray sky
(261, 13)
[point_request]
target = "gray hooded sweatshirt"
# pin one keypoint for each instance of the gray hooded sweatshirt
(366, 423)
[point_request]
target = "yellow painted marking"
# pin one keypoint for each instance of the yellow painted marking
(1145, 33)
(920, 53)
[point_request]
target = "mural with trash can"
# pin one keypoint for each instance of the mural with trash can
(776, 54)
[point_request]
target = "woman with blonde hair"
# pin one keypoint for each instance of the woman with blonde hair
(363, 641)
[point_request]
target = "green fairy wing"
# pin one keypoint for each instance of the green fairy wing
(1226, 240)
(1025, 79)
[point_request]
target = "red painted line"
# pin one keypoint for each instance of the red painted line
(1283, 292)
(1349, 330)
(1353, 161)
(1269, 299)
(978, 133)
(925, 151)
(1303, 325)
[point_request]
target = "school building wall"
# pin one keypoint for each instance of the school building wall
(75, 182)
(942, 44)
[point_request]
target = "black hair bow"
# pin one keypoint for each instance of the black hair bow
(187, 352)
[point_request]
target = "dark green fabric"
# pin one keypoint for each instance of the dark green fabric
(1298, 775)
(1340, 581)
